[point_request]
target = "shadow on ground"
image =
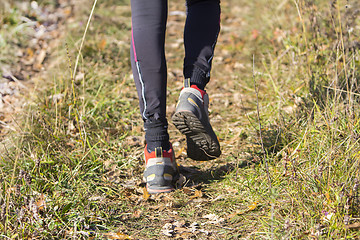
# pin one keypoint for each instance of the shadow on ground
(196, 176)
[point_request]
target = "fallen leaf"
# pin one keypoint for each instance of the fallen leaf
(355, 225)
(232, 190)
(194, 227)
(181, 230)
(40, 203)
(67, 11)
(40, 59)
(327, 195)
(167, 198)
(30, 52)
(168, 230)
(186, 190)
(213, 218)
(237, 212)
(197, 194)
(252, 206)
(102, 44)
(157, 207)
(134, 141)
(146, 195)
(137, 213)
(180, 223)
(118, 235)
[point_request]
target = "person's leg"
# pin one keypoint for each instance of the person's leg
(149, 70)
(200, 35)
(149, 67)
(191, 116)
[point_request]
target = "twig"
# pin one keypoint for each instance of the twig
(304, 36)
(263, 149)
(83, 38)
(340, 90)
(259, 120)
(73, 73)
(344, 55)
(17, 81)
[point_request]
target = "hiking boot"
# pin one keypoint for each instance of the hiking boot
(192, 119)
(161, 171)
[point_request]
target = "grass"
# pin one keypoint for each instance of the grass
(73, 170)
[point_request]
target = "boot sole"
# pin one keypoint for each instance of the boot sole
(156, 190)
(200, 145)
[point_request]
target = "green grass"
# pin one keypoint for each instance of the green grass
(74, 168)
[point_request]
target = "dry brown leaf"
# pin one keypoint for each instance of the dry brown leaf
(137, 213)
(118, 235)
(355, 225)
(157, 207)
(187, 190)
(197, 194)
(252, 206)
(179, 229)
(67, 11)
(30, 52)
(168, 229)
(237, 212)
(146, 195)
(327, 195)
(180, 223)
(135, 141)
(213, 218)
(40, 58)
(40, 203)
(102, 44)
(231, 190)
(168, 198)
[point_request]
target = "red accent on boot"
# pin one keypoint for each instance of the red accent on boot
(165, 154)
(203, 92)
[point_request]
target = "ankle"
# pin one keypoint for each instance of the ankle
(150, 146)
(156, 134)
(198, 77)
(202, 91)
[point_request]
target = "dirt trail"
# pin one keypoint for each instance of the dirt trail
(230, 97)
(42, 28)
(78, 173)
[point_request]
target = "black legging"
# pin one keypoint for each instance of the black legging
(148, 54)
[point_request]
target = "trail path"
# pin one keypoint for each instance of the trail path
(31, 50)
(73, 169)
(99, 187)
